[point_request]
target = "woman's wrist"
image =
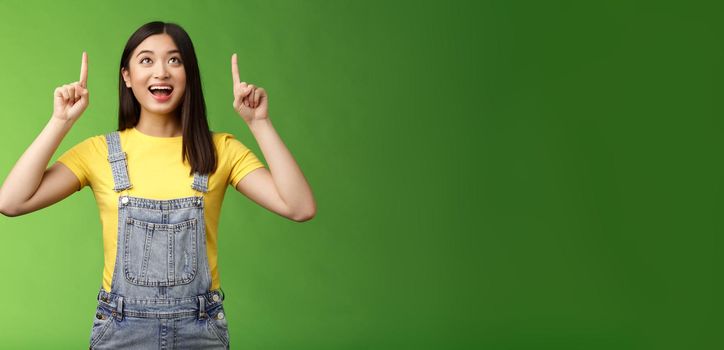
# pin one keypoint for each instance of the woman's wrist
(60, 123)
(258, 124)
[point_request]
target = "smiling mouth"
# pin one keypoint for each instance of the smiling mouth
(161, 91)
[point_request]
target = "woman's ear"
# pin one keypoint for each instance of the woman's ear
(126, 77)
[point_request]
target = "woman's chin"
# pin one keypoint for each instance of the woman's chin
(156, 109)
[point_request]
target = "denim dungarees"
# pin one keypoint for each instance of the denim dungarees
(160, 294)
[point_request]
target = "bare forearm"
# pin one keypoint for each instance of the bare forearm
(27, 173)
(288, 178)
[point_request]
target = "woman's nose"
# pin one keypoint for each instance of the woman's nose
(161, 71)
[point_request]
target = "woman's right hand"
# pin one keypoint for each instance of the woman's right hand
(71, 100)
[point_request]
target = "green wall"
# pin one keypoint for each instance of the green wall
(488, 174)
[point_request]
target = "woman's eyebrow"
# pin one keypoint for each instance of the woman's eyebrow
(149, 51)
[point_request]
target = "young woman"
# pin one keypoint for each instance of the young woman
(159, 182)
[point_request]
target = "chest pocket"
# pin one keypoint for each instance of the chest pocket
(160, 254)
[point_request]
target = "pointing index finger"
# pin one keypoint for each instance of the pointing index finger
(234, 70)
(84, 70)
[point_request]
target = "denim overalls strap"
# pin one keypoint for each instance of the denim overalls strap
(119, 164)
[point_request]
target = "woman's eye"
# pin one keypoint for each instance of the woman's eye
(143, 60)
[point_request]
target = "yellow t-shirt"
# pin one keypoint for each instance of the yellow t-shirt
(156, 171)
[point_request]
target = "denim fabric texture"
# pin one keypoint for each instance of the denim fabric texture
(160, 294)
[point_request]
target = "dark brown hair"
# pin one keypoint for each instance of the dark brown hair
(197, 144)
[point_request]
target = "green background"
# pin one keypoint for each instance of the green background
(488, 175)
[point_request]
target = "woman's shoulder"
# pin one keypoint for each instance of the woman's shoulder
(97, 144)
(221, 136)
(224, 141)
(102, 137)
(92, 143)
(100, 141)
(90, 149)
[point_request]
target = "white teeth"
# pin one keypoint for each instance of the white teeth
(161, 88)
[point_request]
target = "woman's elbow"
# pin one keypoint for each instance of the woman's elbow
(305, 215)
(9, 211)
(302, 218)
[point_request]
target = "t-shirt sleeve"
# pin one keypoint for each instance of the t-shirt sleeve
(77, 160)
(241, 159)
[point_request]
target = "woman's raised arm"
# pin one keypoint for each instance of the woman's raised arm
(30, 186)
(283, 188)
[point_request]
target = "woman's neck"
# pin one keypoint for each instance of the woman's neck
(159, 125)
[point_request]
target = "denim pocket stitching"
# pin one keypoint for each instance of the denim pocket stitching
(221, 333)
(191, 227)
(103, 328)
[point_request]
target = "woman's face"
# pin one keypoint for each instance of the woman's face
(156, 62)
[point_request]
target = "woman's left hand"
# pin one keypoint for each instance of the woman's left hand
(250, 101)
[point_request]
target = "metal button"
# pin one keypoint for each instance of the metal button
(99, 316)
(215, 297)
(220, 316)
(198, 201)
(124, 200)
